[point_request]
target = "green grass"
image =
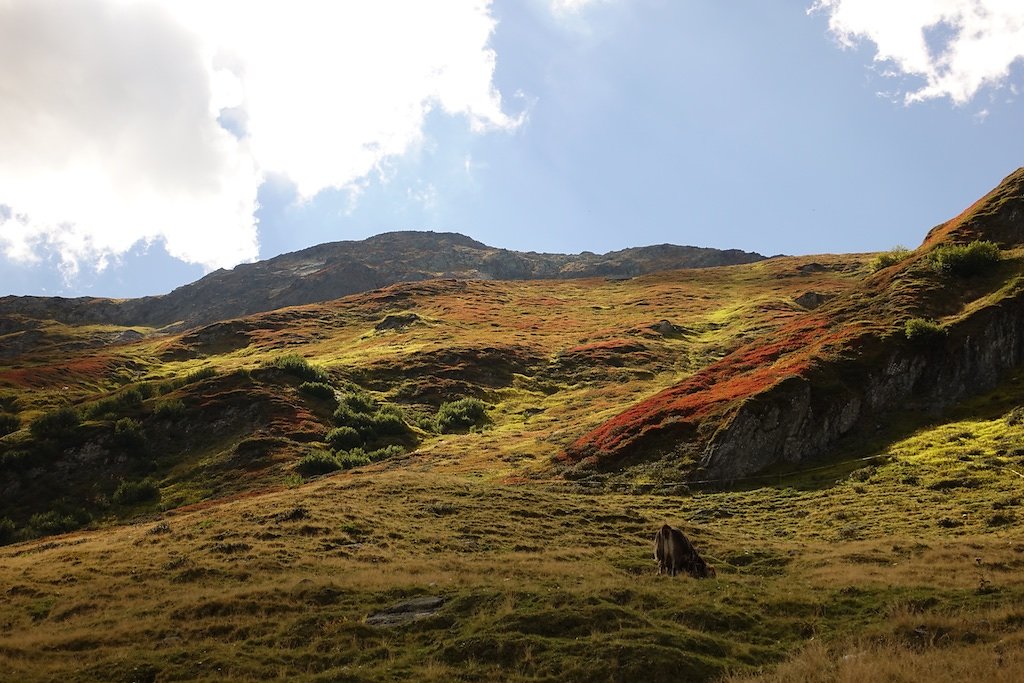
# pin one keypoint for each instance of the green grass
(538, 582)
(254, 571)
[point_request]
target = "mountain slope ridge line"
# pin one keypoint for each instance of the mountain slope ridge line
(332, 270)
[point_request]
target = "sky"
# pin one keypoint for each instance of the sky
(144, 143)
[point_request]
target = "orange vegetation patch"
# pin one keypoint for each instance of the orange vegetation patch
(744, 373)
(89, 369)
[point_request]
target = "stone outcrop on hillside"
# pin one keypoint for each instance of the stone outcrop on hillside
(796, 421)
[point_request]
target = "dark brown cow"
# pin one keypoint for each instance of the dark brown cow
(674, 552)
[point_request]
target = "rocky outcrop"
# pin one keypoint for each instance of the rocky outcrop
(798, 420)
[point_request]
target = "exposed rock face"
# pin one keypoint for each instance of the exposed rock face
(796, 421)
(407, 611)
(337, 269)
(811, 300)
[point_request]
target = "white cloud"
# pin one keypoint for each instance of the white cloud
(109, 112)
(569, 6)
(957, 47)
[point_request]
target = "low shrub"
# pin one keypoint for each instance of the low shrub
(358, 402)
(920, 330)
(131, 398)
(9, 402)
(357, 457)
(56, 424)
(461, 414)
(56, 522)
(190, 378)
(169, 409)
(964, 259)
(7, 531)
(317, 390)
(890, 258)
(343, 438)
(9, 423)
(296, 365)
(353, 458)
(359, 421)
(134, 492)
(200, 374)
(388, 423)
(128, 434)
(317, 462)
(385, 453)
(126, 400)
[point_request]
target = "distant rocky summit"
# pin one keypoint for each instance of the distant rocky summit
(336, 269)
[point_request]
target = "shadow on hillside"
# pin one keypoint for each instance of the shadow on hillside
(860, 449)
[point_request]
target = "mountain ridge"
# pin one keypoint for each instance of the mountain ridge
(335, 269)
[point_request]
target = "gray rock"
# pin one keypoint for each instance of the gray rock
(811, 300)
(795, 421)
(406, 611)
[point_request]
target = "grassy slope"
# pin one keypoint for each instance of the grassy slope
(918, 553)
(847, 335)
(552, 358)
(906, 549)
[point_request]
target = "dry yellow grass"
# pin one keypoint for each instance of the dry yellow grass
(541, 583)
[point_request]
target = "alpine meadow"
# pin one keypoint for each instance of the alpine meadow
(456, 470)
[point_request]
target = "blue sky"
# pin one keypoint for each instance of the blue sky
(562, 125)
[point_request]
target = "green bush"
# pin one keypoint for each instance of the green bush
(388, 423)
(296, 365)
(200, 374)
(890, 258)
(317, 390)
(358, 402)
(9, 423)
(356, 457)
(361, 422)
(20, 459)
(9, 402)
(104, 406)
(461, 414)
(56, 424)
(960, 259)
(169, 409)
(128, 434)
(134, 492)
(920, 330)
(385, 453)
(190, 378)
(130, 398)
(343, 438)
(56, 522)
(127, 399)
(317, 462)
(7, 531)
